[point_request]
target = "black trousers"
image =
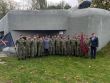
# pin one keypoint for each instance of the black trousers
(93, 52)
(46, 52)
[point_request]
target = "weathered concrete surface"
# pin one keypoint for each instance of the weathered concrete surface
(87, 20)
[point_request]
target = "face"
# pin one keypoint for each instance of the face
(29, 37)
(20, 36)
(93, 35)
(34, 37)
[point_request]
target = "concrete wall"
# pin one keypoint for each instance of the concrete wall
(90, 20)
(37, 22)
(105, 30)
(77, 25)
(94, 26)
(99, 24)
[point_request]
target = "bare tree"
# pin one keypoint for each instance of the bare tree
(39, 4)
(11, 5)
(61, 5)
(5, 6)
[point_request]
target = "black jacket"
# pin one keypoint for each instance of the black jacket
(94, 42)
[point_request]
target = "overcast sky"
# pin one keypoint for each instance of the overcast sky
(72, 3)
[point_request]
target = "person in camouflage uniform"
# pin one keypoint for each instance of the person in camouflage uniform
(34, 47)
(55, 40)
(52, 46)
(20, 45)
(25, 48)
(47, 47)
(40, 46)
(63, 46)
(57, 45)
(77, 47)
(72, 46)
(28, 47)
(18, 48)
(60, 47)
(31, 47)
(68, 49)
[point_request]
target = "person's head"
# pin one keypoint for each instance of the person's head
(20, 35)
(35, 37)
(22, 38)
(32, 39)
(46, 37)
(73, 37)
(49, 36)
(93, 35)
(28, 37)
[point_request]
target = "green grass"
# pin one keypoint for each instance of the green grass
(57, 69)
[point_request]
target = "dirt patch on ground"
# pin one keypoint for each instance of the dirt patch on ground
(3, 55)
(2, 62)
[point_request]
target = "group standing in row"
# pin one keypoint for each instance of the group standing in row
(36, 46)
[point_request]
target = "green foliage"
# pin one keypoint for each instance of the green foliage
(104, 4)
(57, 69)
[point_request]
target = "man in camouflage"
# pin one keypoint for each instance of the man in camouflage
(52, 46)
(20, 48)
(68, 52)
(57, 43)
(28, 47)
(77, 46)
(63, 45)
(40, 46)
(72, 46)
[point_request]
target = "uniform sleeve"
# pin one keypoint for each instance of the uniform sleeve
(16, 42)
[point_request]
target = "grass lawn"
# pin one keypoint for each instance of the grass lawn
(57, 69)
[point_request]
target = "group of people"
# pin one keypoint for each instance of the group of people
(36, 46)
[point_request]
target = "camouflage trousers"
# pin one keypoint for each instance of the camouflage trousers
(57, 50)
(63, 50)
(52, 50)
(40, 51)
(28, 52)
(21, 53)
(33, 51)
